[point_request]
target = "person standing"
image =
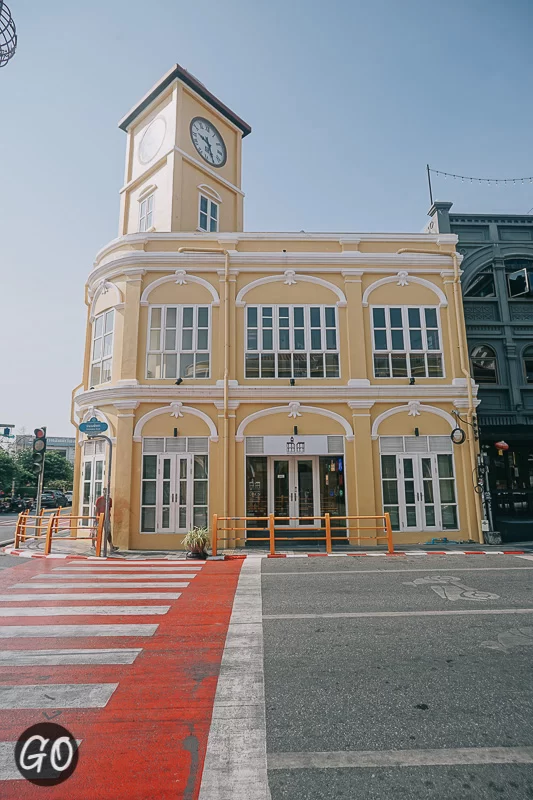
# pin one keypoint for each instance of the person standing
(100, 508)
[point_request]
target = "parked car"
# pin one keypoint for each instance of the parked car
(68, 495)
(51, 498)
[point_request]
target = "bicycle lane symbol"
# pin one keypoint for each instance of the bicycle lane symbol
(450, 588)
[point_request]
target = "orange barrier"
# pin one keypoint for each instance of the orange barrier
(327, 538)
(56, 523)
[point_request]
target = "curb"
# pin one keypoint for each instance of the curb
(25, 554)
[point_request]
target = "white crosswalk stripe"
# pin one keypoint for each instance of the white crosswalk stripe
(66, 631)
(59, 695)
(98, 584)
(19, 598)
(118, 577)
(42, 658)
(65, 611)
(103, 569)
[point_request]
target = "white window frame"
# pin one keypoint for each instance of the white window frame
(178, 351)
(407, 350)
(146, 213)
(103, 356)
(210, 217)
(307, 332)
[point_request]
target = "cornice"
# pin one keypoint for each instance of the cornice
(271, 262)
(234, 237)
(362, 397)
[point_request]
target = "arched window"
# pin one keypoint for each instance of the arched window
(483, 359)
(527, 355)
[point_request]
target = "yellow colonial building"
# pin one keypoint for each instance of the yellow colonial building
(250, 373)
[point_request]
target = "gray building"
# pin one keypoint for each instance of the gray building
(65, 445)
(497, 286)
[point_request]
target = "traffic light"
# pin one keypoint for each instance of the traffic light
(39, 449)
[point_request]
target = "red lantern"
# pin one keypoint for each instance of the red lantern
(501, 447)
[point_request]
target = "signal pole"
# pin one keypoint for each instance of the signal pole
(39, 451)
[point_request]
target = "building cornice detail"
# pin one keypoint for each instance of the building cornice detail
(180, 277)
(291, 277)
(403, 278)
(145, 393)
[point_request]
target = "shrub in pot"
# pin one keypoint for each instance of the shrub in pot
(196, 541)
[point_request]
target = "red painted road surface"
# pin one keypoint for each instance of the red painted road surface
(149, 741)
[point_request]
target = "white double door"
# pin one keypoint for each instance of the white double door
(419, 495)
(174, 499)
(294, 490)
(92, 484)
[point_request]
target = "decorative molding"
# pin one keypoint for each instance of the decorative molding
(180, 277)
(414, 408)
(175, 409)
(358, 382)
(209, 191)
(403, 278)
(103, 287)
(365, 404)
(147, 191)
(290, 277)
(233, 405)
(294, 410)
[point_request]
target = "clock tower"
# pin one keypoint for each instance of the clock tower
(183, 160)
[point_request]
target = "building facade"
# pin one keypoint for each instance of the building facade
(498, 301)
(64, 445)
(244, 374)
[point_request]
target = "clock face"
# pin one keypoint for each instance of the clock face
(208, 142)
(152, 140)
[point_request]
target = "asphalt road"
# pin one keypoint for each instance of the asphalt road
(384, 679)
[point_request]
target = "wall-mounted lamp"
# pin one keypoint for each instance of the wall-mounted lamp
(179, 381)
(411, 381)
(292, 382)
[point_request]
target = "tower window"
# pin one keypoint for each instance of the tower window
(146, 207)
(528, 364)
(208, 215)
(102, 348)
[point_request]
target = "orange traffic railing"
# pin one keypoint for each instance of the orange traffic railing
(276, 535)
(55, 525)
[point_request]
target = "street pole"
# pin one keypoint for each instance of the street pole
(40, 482)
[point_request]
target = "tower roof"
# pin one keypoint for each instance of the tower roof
(178, 72)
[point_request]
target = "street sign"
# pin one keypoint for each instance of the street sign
(93, 427)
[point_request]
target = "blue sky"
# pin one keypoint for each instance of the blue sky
(348, 101)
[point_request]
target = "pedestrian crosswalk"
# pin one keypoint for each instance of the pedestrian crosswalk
(43, 608)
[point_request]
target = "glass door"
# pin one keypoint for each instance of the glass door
(165, 501)
(92, 485)
(305, 494)
(419, 492)
(409, 493)
(282, 496)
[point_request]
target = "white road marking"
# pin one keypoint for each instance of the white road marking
(235, 762)
(451, 588)
(103, 568)
(115, 577)
(529, 558)
(402, 758)
(98, 584)
(515, 637)
(56, 695)
(65, 611)
(386, 571)
(19, 598)
(37, 658)
(362, 614)
(8, 768)
(66, 631)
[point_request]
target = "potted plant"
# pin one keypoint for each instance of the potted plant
(196, 541)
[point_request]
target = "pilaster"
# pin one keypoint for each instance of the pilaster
(353, 288)
(122, 473)
(363, 478)
(130, 325)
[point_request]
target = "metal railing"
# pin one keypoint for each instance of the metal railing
(52, 523)
(274, 535)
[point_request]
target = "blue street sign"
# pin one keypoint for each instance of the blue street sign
(93, 427)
